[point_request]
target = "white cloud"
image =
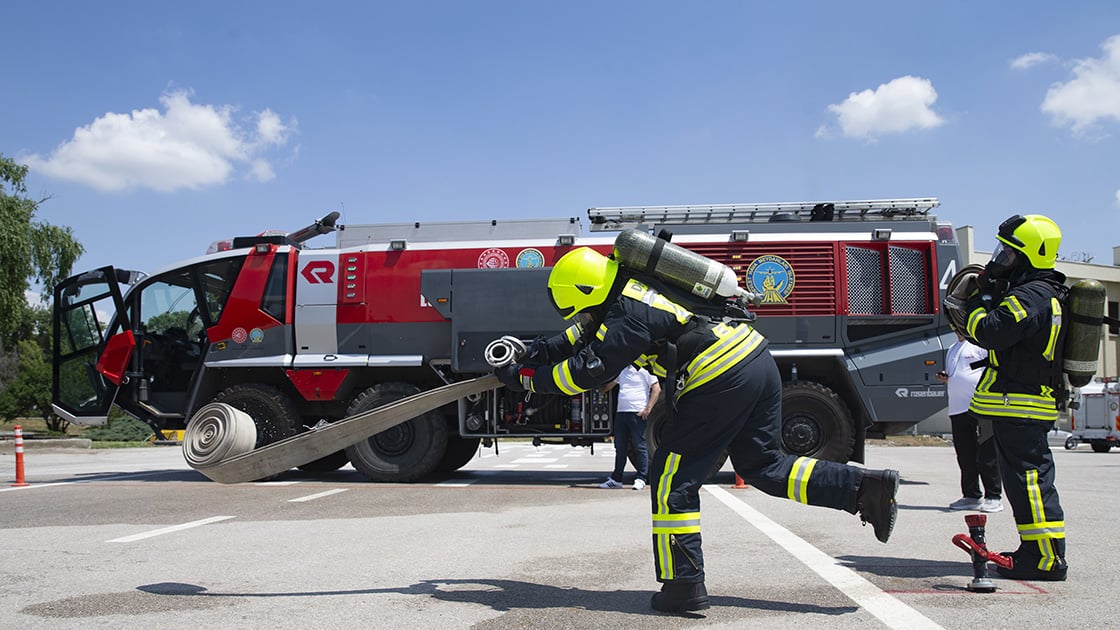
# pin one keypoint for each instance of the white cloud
(187, 145)
(1030, 60)
(1092, 95)
(902, 105)
(1118, 198)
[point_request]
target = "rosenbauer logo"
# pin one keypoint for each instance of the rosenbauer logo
(318, 272)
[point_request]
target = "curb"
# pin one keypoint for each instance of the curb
(7, 446)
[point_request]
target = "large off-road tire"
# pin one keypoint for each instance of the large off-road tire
(404, 453)
(460, 451)
(273, 412)
(330, 463)
(816, 423)
(655, 424)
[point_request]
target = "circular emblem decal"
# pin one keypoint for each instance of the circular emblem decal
(771, 276)
(239, 335)
(256, 335)
(492, 259)
(530, 258)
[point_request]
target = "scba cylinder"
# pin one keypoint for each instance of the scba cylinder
(678, 266)
(1083, 337)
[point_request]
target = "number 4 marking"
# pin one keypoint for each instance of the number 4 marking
(950, 271)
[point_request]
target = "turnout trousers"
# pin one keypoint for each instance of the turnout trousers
(1027, 468)
(739, 411)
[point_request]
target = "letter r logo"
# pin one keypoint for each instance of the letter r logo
(318, 272)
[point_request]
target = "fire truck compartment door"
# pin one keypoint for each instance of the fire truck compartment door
(316, 306)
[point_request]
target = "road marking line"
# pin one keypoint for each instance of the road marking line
(456, 484)
(278, 483)
(80, 481)
(319, 495)
(534, 460)
(168, 530)
(886, 608)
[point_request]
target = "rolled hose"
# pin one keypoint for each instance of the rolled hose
(216, 433)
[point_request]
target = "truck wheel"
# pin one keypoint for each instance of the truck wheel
(272, 411)
(329, 463)
(405, 452)
(460, 451)
(816, 423)
(1071, 443)
(1100, 446)
(655, 424)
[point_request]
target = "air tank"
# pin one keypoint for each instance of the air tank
(678, 266)
(1083, 337)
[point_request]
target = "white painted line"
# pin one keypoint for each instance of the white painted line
(886, 608)
(534, 460)
(94, 480)
(319, 495)
(278, 483)
(168, 530)
(456, 484)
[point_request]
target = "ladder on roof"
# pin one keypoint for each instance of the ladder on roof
(623, 217)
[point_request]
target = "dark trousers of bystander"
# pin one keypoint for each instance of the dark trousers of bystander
(978, 460)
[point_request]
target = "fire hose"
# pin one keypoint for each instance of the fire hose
(219, 438)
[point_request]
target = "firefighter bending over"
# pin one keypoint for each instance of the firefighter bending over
(1017, 316)
(727, 397)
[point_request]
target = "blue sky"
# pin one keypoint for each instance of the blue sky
(156, 128)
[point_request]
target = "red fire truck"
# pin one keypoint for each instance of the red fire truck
(296, 336)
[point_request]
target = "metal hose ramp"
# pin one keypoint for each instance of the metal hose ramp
(216, 433)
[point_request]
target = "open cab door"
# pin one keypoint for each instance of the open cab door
(93, 344)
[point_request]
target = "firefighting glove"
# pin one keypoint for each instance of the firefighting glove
(536, 352)
(515, 376)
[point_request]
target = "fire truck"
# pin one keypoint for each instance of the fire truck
(298, 336)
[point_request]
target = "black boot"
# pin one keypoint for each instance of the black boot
(1025, 567)
(876, 502)
(680, 597)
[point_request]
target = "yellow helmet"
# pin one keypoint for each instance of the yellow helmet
(1035, 236)
(581, 279)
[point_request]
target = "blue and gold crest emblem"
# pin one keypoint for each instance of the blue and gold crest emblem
(771, 276)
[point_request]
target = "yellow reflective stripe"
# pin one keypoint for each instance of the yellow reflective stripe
(798, 483)
(639, 291)
(602, 332)
(686, 523)
(1013, 412)
(573, 333)
(662, 544)
(1034, 497)
(562, 376)
(1013, 305)
(974, 321)
(1055, 327)
(1036, 531)
(1029, 400)
(735, 344)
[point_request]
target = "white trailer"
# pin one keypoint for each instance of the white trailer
(1096, 420)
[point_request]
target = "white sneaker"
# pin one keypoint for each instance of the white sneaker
(991, 505)
(965, 503)
(639, 484)
(610, 483)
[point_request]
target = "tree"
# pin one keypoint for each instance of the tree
(30, 251)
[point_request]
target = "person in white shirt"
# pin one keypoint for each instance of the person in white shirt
(972, 436)
(638, 391)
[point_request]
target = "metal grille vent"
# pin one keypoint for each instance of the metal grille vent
(908, 281)
(865, 281)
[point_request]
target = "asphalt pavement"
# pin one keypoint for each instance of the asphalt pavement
(133, 538)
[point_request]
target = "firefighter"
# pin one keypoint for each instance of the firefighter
(1016, 315)
(727, 398)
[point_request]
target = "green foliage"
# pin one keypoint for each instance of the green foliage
(29, 393)
(32, 251)
(120, 428)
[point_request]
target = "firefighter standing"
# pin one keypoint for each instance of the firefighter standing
(1017, 316)
(728, 397)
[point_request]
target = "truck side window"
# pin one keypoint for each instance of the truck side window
(273, 301)
(216, 279)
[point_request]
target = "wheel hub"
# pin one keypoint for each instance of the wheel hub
(801, 435)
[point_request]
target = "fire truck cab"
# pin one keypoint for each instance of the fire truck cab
(296, 336)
